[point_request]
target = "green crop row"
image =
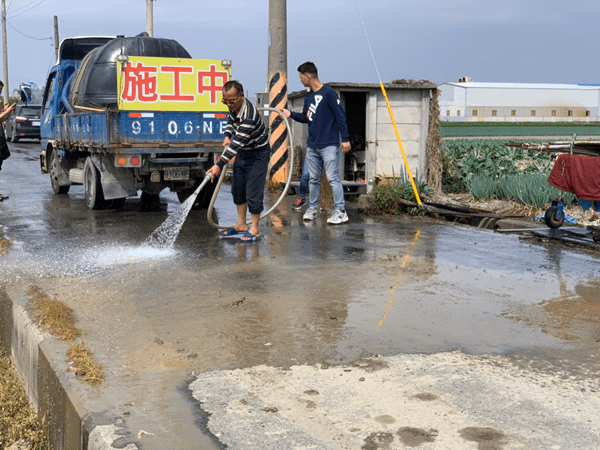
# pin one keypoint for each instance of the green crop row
(484, 168)
(489, 168)
(474, 129)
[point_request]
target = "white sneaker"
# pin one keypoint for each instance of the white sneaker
(338, 217)
(310, 214)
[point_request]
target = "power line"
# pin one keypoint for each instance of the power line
(18, 8)
(30, 37)
(39, 2)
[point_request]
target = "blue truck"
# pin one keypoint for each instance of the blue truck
(106, 124)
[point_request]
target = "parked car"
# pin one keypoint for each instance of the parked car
(24, 123)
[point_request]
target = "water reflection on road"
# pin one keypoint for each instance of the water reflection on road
(374, 285)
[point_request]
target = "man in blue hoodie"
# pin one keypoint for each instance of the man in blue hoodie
(326, 122)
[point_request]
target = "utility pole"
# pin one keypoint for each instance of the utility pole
(4, 54)
(277, 84)
(56, 42)
(149, 18)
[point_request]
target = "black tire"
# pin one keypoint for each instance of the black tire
(54, 174)
(94, 197)
(204, 197)
(551, 219)
(149, 199)
(15, 139)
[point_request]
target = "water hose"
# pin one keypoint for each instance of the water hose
(223, 173)
(64, 96)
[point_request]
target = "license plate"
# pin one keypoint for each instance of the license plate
(36, 123)
(176, 173)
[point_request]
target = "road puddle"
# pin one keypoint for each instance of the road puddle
(572, 316)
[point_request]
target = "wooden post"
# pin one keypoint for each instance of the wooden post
(56, 40)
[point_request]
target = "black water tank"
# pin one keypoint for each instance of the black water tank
(95, 84)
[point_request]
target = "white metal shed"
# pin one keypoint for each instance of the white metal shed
(375, 149)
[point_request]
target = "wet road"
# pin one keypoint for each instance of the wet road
(307, 294)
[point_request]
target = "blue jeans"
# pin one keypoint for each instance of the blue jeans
(327, 158)
(304, 178)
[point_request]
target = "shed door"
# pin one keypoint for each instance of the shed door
(355, 105)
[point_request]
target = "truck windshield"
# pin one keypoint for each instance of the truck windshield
(30, 111)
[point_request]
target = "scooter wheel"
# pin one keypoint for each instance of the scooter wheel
(551, 218)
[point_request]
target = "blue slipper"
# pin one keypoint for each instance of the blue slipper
(232, 233)
(249, 237)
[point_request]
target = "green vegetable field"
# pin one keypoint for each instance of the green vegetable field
(504, 129)
(489, 168)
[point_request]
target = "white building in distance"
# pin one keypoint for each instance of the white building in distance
(469, 101)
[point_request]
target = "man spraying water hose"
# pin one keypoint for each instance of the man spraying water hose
(247, 140)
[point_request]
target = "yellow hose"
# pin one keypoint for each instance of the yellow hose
(412, 181)
(387, 102)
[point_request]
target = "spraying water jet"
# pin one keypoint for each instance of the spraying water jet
(164, 236)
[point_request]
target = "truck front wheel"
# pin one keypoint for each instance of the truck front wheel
(94, 197)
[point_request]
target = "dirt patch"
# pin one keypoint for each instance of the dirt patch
(5, 244)
(426, 397)
(413, 437)
(486, 438)
(378, 441)
(584, 218)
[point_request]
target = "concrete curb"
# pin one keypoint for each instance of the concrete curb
(49, 385)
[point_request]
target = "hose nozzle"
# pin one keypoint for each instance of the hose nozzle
(207, 178)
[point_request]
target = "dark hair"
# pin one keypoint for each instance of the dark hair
(233, 84)
(1, 83)
(308, 67)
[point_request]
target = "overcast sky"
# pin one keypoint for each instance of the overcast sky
(528, 41)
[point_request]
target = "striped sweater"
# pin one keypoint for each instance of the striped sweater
(246, 130)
